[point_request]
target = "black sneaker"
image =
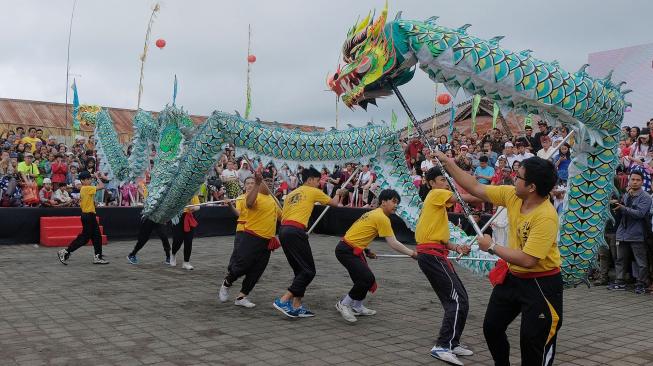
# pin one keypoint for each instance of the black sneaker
(617, 287)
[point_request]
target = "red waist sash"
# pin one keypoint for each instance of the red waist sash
(361, 254)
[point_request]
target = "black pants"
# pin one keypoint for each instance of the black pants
(359, 272)
(90, 231)
(294, 242)
(539, 323)
(147, 226)
(237, 239)
(179, 236)
(249, 259)
(453, 297)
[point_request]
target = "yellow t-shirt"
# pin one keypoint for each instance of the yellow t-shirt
(299, 203)
(262, 217)
(241, 206)
(31, 141)
(372, 224)
(193, 201)
(534, 233)
(433, 222)
(87, 199)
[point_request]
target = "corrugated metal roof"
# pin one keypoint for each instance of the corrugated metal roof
(51, 117)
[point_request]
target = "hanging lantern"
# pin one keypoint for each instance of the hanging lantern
(160, 43)
(251, 59)
(444, 99)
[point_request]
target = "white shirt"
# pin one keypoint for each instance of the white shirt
(510, 159)
(426, 165)
(542, 153)
(229, 175)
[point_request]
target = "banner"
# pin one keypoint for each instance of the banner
(528, 120)
(475, 104)
(453, 116)
(75, 107)
(495, 115)
(393, 121)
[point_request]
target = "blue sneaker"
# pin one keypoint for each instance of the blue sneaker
(284, 307)
(302, 312)
(132, 259)
(167, 261)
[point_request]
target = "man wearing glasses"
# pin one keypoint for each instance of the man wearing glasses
(530, 282)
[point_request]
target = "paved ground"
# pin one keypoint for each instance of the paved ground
(151, 314)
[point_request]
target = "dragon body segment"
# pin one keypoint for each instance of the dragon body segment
(593, 108)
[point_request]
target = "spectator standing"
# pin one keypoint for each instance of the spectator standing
(31, 139)
(528, 140)
(543, 131)
(634, 208)
(562, 162)
(522, 152)
(59, 170)
(244, 172)
(546, 149)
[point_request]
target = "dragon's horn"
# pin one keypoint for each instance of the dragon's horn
(398, 16)
(621, 84)
(379, 23)
(624, 92)
(583, 68)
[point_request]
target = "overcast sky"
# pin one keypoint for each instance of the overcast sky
(296, 43)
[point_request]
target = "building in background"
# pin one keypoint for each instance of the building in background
(635, 66)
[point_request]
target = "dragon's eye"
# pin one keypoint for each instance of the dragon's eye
(364, 65)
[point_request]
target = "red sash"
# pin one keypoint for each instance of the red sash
(292, 223)
(189, 222)
(273, 242)
(436, 249)
(361, 254)
(498, 274)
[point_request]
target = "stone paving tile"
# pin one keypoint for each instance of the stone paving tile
(151, 314)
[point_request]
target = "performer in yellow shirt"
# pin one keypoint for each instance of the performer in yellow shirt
(256, 239)
(531, 283)
(297, 209)
(349, 251)
(432, 236)
(239, 207)
(90, 227)
(182, 233)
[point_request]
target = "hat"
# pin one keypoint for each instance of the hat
(84, 175)
(464, 147)
(28, 154)
(77, 181)
(47, 181)
(541, 123)
(52, 137)
(508, 144)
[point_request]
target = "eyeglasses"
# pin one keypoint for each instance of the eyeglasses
(520, 177)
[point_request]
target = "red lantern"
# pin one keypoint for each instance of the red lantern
(444, 98)
(251, 59)
(160, 43)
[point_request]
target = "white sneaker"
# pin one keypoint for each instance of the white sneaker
(63, 256)
(445, 355)
(223, 294)
(244, 302)
(363, 311)
(98, 259)
(187, 266)
(461, 350)
(346, 312)
(173, 260)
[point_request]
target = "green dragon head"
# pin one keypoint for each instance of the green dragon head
(371, 63)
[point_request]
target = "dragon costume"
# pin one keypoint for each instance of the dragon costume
(380, 54)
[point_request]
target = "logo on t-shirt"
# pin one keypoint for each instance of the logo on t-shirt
(295, 198)
(523, 232)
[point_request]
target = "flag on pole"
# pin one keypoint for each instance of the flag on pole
(393, 120)
(409, 128)
(528, 120)
(75, 107)
(475, 104)
(453, 116)
(174, 91)
(495, 115)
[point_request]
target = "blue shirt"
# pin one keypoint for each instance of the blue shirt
(488, 171)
